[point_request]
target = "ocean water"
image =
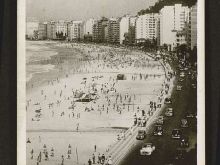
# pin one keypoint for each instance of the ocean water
(37, 51)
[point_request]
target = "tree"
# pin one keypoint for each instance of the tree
(165, 46)
(181, 50)
(161, 3)
(193, 55)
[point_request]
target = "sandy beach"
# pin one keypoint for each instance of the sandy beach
(78, 99)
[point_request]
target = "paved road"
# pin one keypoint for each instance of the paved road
(118, 151)
(183, 101)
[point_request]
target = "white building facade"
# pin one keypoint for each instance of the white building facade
(61, 27)
(123, 28)
(146, 27)
(173, 20)
(51, 34)
(113, 30)
(42, 31)
(88, 26)
(193, 26)
(32, 29)
(127, 29)
(57, 30)
(75, 30)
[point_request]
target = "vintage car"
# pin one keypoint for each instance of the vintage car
(158, 131)
(194, 85)
(121, 77)
(181, 79)
(180, 154)
(184, 123)
(141, 134)
(184, 142)
(176, 134)
(179, 87)
(169, 112)
(160, 120)
(190, 115)
(182, 74)
(109, 161)
(181, 68)
(157, 57)
(147, 149)
(167, 100)
(186, 68)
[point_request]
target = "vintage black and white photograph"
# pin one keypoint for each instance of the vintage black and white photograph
(111, 82)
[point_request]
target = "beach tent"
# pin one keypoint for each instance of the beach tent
(121, 77)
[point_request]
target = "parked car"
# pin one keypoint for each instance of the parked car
(160, 120)
(157, 57)
(147, 149)
(184, 142)
(186, 68)
(169, 112)
(194, 85)
(181, 79)
(176, 134)
(179, 87)
(182, 74)
(168, 100)
(190, 115)
(141, 134)
(180, 154)
(184, 123)
(158, 131)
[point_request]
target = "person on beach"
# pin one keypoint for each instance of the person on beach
(62, 160)
(93, 158)
(46, 156)
(94, 148)
(103, 159)
(89, 162)
(28, 141)
(99, 158)
(52, 152)
(32, 154)
(39, 157)
(77, 127)
(109, 162)
(69, 149)
(39, 139)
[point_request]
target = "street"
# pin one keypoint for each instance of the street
(182, 101)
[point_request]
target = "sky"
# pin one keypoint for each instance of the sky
(83, 9)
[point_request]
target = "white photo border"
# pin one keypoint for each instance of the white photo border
(21, 83)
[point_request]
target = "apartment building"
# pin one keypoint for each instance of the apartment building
(127, 29)
(193, 26)
(146, 27)
(57, 30)
(75, 30)
(42, 31)
(113, 30)
(32, 29)
(173, 20)
(100, 30)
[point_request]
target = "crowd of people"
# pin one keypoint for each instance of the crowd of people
(97, 91)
